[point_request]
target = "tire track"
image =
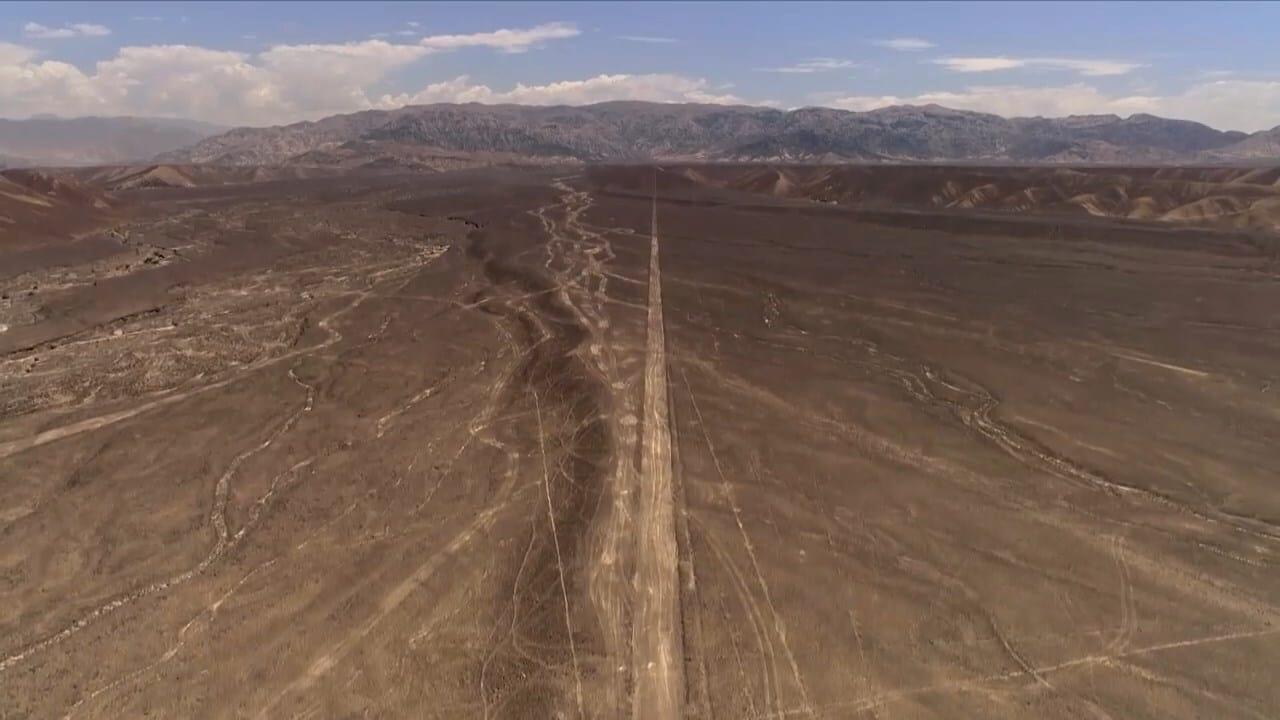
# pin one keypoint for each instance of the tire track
(779, 627)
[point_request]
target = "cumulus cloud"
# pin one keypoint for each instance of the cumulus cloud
(29, 87)
(283, 83)
(315, 80)
(36, 31)
(1248, 105)
(1092, 68)
(906, 44)
(813, 65)
(862, 103)
(655, 87)
(11, 54)
(510, 41)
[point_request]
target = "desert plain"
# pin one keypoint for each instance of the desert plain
(641, 441)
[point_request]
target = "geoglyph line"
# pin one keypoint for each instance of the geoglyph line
(657, 657)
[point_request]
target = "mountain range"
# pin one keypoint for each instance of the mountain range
(448, 135)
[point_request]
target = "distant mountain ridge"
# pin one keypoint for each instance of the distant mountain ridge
(1265, 144)
(52, 141)
(641, 131)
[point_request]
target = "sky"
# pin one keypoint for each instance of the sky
(274, 63)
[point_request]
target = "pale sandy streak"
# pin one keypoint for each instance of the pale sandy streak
(1157, 363)
(657, 656)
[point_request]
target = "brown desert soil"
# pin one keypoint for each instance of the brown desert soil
(639, 442)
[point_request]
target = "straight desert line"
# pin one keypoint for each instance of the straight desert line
(657, 657)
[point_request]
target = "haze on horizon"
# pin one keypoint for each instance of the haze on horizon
(268, 63)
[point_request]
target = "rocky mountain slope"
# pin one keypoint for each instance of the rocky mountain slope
(94, 140)
(1262, 146)
(627, 131)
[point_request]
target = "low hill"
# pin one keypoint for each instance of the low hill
(136, 177)
(1241, 198)
(36, 204)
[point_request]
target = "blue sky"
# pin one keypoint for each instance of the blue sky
(266, 63)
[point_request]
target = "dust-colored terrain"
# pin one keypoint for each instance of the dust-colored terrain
(632, 442)
(1232, 197)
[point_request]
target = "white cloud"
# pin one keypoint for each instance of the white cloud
(317, 80)
(181, 80)
(601, 88)
(11, 54)
(1247, 105)
(861, 103)
(980, 64)
(647, 39)
(91, 30)
(284, 83)
(40, 32)
(813, 65)
(457, 90)
(1090, 68)
(29, 86)
(1087, 67)
(510, 41)
(906, 44)
(36, 31)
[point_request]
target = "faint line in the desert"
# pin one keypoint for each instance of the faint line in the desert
(555, 539)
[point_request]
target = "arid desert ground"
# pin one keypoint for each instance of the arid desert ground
(635, 441)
